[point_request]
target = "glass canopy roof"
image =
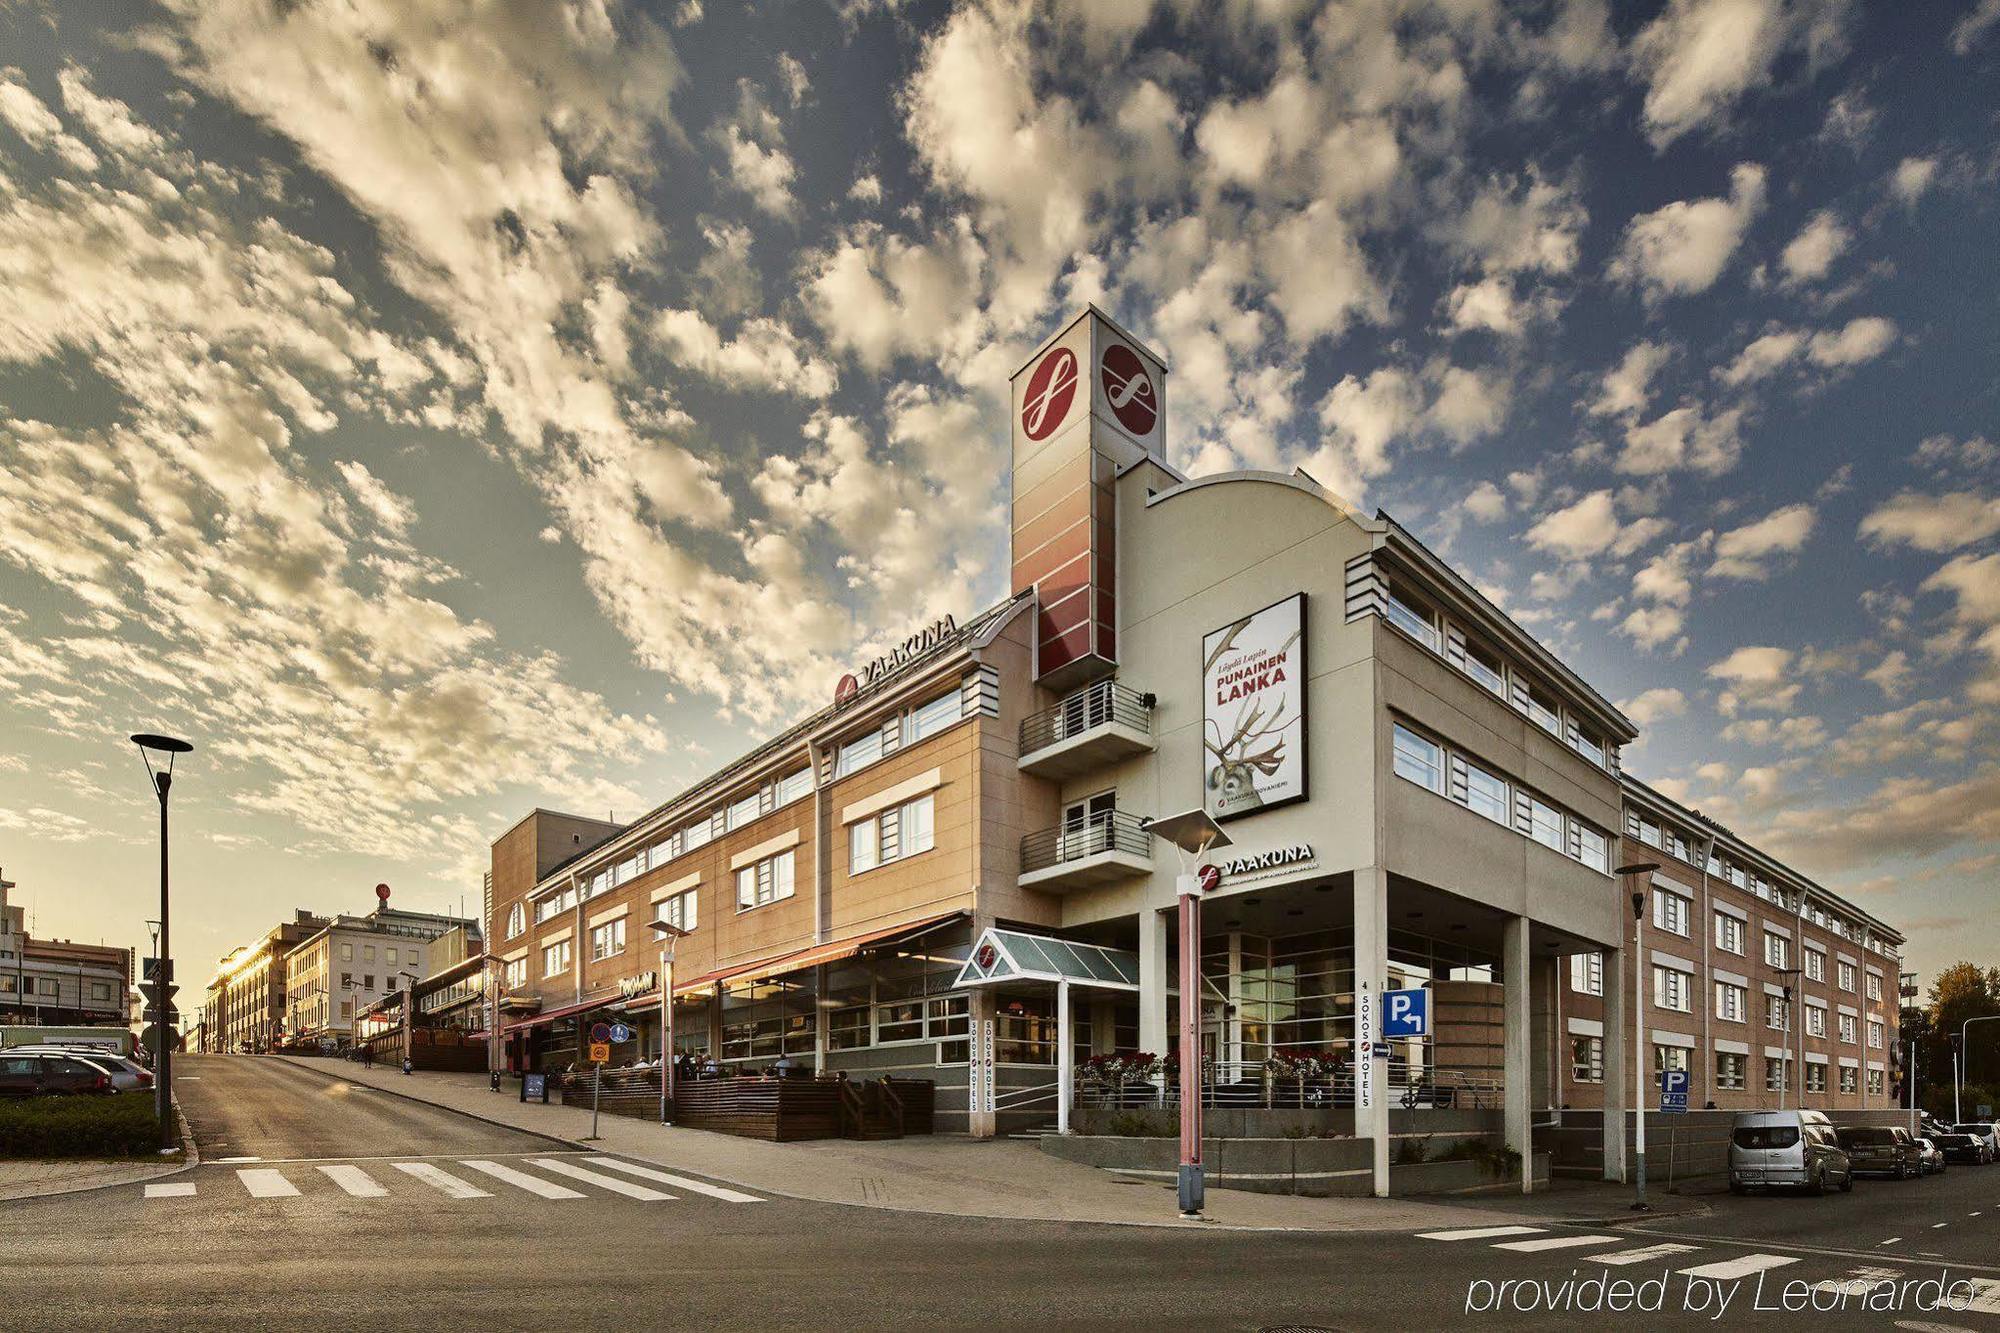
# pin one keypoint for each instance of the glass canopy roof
(1009, 955)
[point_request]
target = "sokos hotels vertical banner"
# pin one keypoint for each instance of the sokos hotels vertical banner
(1253, 711)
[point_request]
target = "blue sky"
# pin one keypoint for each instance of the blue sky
(438, 410)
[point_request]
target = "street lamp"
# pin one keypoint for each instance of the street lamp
(1194, 834)
(163, 968)
(1631, 873)
(670, 935)
(1785, 1076)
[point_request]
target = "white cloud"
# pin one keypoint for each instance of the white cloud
(1364, 417)
(1683, 438)
(1857, 341)
(1486, 503)
(1933, 522)
(1762, 357)
(1651, 626)
(1699, 57)
(1808, 256)
(1626, 388)
(1891, 675)
(753, 148)
(1755, 678)
(28, 116)
(1591, 527)
(1913, 176)
(1683, 247)
(1654, 705)
(1966, 33)
(764, 354)
(1745, 552)
(792, 73)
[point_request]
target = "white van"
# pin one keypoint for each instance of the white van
(1786, 1149)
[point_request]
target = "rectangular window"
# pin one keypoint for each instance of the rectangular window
(1874, 987)
(1729, 1070)
(1775, 1079)
(1729, 1001)
(1847, 1028)
(347, 981)
(858, 754)
(1588, 746)
(1815, 1020)
(347, 953)
(367, 953)
(555, 959)
(1545, 822)
(1777, 950)
(1586, 973)
(1848, 1082)
(1775, 1016)
(1874, 1083)
(917, 830)
(1649, 833)
(765, 882)
(678, 910)
(1847, 977)
(392, 957)
(100, 990)
(1875, 1033)
(1586, 1059)
(697, 834)
(1419, 760)
(742, 812)
(1486, 795)
(907, 830)
(1593, 848)
(514, 973)
(1485, 667)
(607, 940)
(1669, 1057)
(1728, 933)
(1672, 988)
(1815, 965)
(864, 845)
(1412, 617)
(1670, 912)
(795, 786)
(1544, 709)
(932, 718)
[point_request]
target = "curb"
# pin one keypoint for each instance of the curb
(190, 1152)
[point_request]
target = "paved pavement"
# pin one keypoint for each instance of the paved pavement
(375, 1211)
(26, 1180)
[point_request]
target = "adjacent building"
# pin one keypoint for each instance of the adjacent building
(346, 964)
(58, 982)
(947, 871)
(246, 999)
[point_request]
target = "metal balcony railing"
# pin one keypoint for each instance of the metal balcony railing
(1094, 705)
(1113, 831)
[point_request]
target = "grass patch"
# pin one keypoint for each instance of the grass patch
(119, 1125)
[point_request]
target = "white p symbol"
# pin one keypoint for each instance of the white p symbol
(1399, 1008)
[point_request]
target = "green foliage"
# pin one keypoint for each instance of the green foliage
(1412, 1150)
(1139, 1125)
(119, 1125)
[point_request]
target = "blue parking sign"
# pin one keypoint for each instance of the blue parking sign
(1406, 1013)
(1674, 1091)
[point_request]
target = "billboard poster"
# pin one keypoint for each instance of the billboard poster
(1253, 681)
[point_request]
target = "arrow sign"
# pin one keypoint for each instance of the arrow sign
(150, 969)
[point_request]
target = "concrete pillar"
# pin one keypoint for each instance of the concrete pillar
(715, 1025)
(1153, 981)
(1371, 973)
(1617, 1069)
(1065, 1058)
(980, 1119)
(1517, 1043)
(1542, 998)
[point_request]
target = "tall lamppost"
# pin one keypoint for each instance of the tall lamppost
(1193, 834)
(670, 936)
(1639, 875)
(163, 968)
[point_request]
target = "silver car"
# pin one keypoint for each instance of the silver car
(1786, 1150)
(125, 1075)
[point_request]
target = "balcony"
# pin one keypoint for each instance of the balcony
(1102, 850)
(1100, 724)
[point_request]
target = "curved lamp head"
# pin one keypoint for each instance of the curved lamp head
(169, 746)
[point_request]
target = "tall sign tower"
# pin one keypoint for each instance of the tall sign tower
(1090, 402)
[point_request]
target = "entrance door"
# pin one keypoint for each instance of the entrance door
(1087, 825)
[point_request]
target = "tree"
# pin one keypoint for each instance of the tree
(1960, 992)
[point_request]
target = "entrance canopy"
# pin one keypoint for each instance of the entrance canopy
(1009, 955)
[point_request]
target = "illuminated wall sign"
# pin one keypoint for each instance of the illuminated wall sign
(1253, 681)
(904, 653)
(1283, 858)
(639, 985)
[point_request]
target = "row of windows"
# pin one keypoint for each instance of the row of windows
(1423, 761)
(1671, 912)
(1731, 1068)
(904, 729)
(765, 882)
(1411, 614)
(904, 830)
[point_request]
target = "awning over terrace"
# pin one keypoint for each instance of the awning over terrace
(1012, 955)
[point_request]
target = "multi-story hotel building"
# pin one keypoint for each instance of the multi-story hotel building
(334, 973)
(245, 1009)
(946, 870)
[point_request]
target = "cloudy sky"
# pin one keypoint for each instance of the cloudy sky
(435, 410)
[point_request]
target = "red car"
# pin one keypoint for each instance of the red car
(48, 1075)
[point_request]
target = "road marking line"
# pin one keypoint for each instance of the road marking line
(1939, 1225)
(354, 1180)
(1972, 1214)
(532, 1184)
(1480, 1233)
(599, 1179)
(1893, 1240)
(668, 1178)
(1554, 1243)
(178, 1189)
(1734, 1268)
(1619, 1258)
(443, 1180)
(264, 1184)
(225, 1161)
(1986, 1297)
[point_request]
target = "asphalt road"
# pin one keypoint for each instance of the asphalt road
(372, 1211)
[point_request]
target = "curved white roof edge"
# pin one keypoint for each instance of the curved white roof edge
(1301, 481)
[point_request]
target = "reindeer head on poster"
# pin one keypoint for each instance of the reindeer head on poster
(1254, 742)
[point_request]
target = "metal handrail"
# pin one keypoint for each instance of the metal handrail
(1015, 1099)
(1111, 831)
(1095, 705)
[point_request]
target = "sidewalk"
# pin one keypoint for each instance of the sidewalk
(32, 1180)
(996, 1178)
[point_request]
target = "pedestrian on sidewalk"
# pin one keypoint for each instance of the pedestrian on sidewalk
(367, 1057)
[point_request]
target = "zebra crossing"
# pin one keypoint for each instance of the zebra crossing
(545, 1177)
(1691, 1261)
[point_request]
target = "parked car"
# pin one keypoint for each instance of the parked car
(1989, 1134)
(46, 1074)
(1930, 1156)
(1786, 1149)
(1881, 1150)
(1964, 1148)
(126, 1075)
